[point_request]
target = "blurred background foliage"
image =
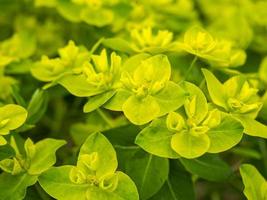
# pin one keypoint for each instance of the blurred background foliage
(32, 28)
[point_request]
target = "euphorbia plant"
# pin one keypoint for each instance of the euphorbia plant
(23, 168)
(238, 98)
(11, 117)
(192, 131)
(128, 100)
(93, 177)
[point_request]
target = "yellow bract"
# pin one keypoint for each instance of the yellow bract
(101, 74)
(218, 52)
(145, 38)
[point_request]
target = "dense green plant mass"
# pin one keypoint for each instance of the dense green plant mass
(129, 100)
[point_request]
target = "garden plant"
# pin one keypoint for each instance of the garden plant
(133, 99)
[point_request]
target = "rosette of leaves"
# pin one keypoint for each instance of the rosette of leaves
(192, 131)
(219, 53)
(255, 184)
(70, 60)
(238, 98)
(11, 117)
(93, 12)
(143, 40)
(98, 80)
(94, 176)
(22, 169)
(146, 91)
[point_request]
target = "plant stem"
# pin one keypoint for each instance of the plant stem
(190, 68)
(96, 45)
(104, 117)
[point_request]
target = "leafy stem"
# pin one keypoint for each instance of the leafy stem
(105, 117)
(96, 45)
(190, 68)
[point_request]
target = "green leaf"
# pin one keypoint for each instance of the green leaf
(255, 184)
(17, 96)
(148, 109)
(95, 102)
(226, 135)
(170, 98)
(252, 127)
(126, 187)
(190, 146)
(98, 143)
(81, 88)
(7, 85)
(122, 135)
(48, 69)
(37, 106)
(100, 17)
(56, 182)
(6, 152)
(45, 155)
(233, 85)
(216, 89)
(11, 117)
(126, 190)
(13, 187)
(69, 10)
(148, 172)
(118, 44)
(131, 63)
(155, 68)
(247, 152)
(201, 106)
(116, 102)
(209, 167)
(156, 139)
(178, 186)
(21, 45)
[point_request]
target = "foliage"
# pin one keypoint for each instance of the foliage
(128, 100)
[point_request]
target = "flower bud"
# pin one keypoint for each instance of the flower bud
(213, 119)
(30, 149)
(175, 122)
(199, 40)
(199, 130)
(234, 104)
(69, 52)
(157, 86)
(247, 108)
(77, 176)
(246, 92)
(141, 92)
(109, 182)
(88, 162)
(190, 106)
(11, 166)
